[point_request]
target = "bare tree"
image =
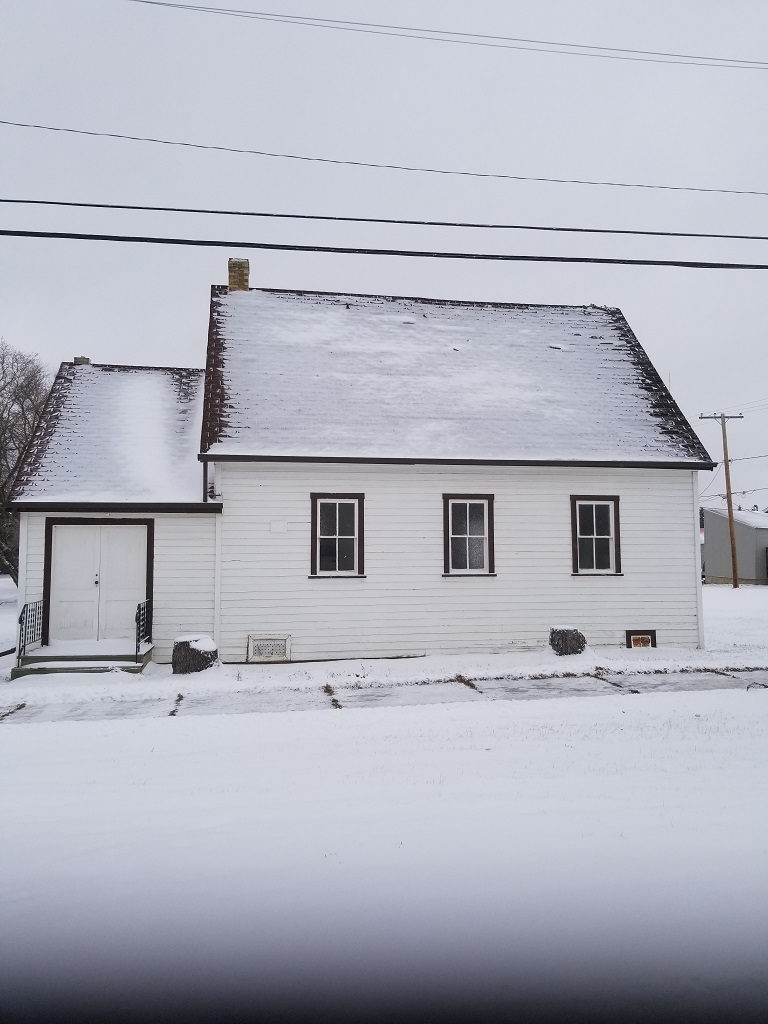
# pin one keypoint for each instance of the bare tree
(24, 386)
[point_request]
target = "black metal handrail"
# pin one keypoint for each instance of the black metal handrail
(30, 627)
(143, 625)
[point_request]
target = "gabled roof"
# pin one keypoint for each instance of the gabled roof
(294, 375)
(116, 434)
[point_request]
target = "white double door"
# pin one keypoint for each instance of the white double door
(98, 577)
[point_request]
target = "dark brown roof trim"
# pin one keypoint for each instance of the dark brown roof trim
(215, 397)
(565, 463)
(114, 506)
(188, 370)
(671, 421)
(46, 425)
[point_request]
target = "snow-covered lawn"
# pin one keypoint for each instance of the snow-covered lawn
(476, 852)
(8, 613)
(581, 848)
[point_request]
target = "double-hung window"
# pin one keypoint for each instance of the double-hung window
(595, 535)
(468, 534)
(337, 535)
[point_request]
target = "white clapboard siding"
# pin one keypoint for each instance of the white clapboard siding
(184, 571)
(405, 605)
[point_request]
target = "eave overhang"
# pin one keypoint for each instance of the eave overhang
(114, 506)
(563, 463)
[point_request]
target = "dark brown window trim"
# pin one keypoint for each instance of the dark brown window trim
(338, 576)
(447, 499)
(599, 575)
(469, 575)
(640, 632)
(50, 522)
(616, 530)
(316, 496)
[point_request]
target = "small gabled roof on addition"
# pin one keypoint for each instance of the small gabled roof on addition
(312, 375)
(116, 434)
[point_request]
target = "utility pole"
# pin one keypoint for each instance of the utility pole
(728, 496)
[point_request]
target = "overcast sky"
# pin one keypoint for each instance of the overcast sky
(116, 66)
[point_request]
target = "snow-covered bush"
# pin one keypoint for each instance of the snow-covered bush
(567, 641)
(193, 653)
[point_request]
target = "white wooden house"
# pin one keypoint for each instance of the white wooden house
(365, 476)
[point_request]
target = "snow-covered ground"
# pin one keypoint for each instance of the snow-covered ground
(8, 613)
(473, 854)
(583, 852)
(736, 624)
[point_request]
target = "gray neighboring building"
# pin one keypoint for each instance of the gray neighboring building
(751, 546)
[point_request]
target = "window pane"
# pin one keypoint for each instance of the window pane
(586, 553)
(586, 520)
(327, 518)
(328, 555)
(458, 552)
(603, 520)
(459, 518)
(602, 553)
(477, 519)
(346, 554)
(476, 553)
(346, 519)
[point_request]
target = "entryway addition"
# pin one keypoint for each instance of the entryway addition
(98, 576)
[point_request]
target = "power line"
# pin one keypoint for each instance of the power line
(753, 490)
(379, 220)
(385, 167)
(748, 458)
(434, 35)
(712, 481)
(360, 251)
(754, 406)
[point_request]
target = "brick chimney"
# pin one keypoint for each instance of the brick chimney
(82, 361)
(238, 275)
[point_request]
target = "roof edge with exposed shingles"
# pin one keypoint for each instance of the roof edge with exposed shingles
(665, 410)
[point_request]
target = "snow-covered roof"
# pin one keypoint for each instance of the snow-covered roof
(318, 375)
(757, 520)
(117, 434)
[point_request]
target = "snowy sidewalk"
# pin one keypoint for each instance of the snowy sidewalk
(736, 656)
(188, 702)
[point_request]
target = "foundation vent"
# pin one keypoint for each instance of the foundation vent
(641, 638)
(268, 648)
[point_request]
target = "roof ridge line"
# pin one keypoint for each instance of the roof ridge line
(136, 366)
(493, 303)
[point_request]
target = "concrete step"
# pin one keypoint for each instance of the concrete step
(40, 668)
(72, 658)
(38, 664)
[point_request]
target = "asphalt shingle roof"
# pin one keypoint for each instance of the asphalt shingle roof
(321, 375)
(117, 433)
